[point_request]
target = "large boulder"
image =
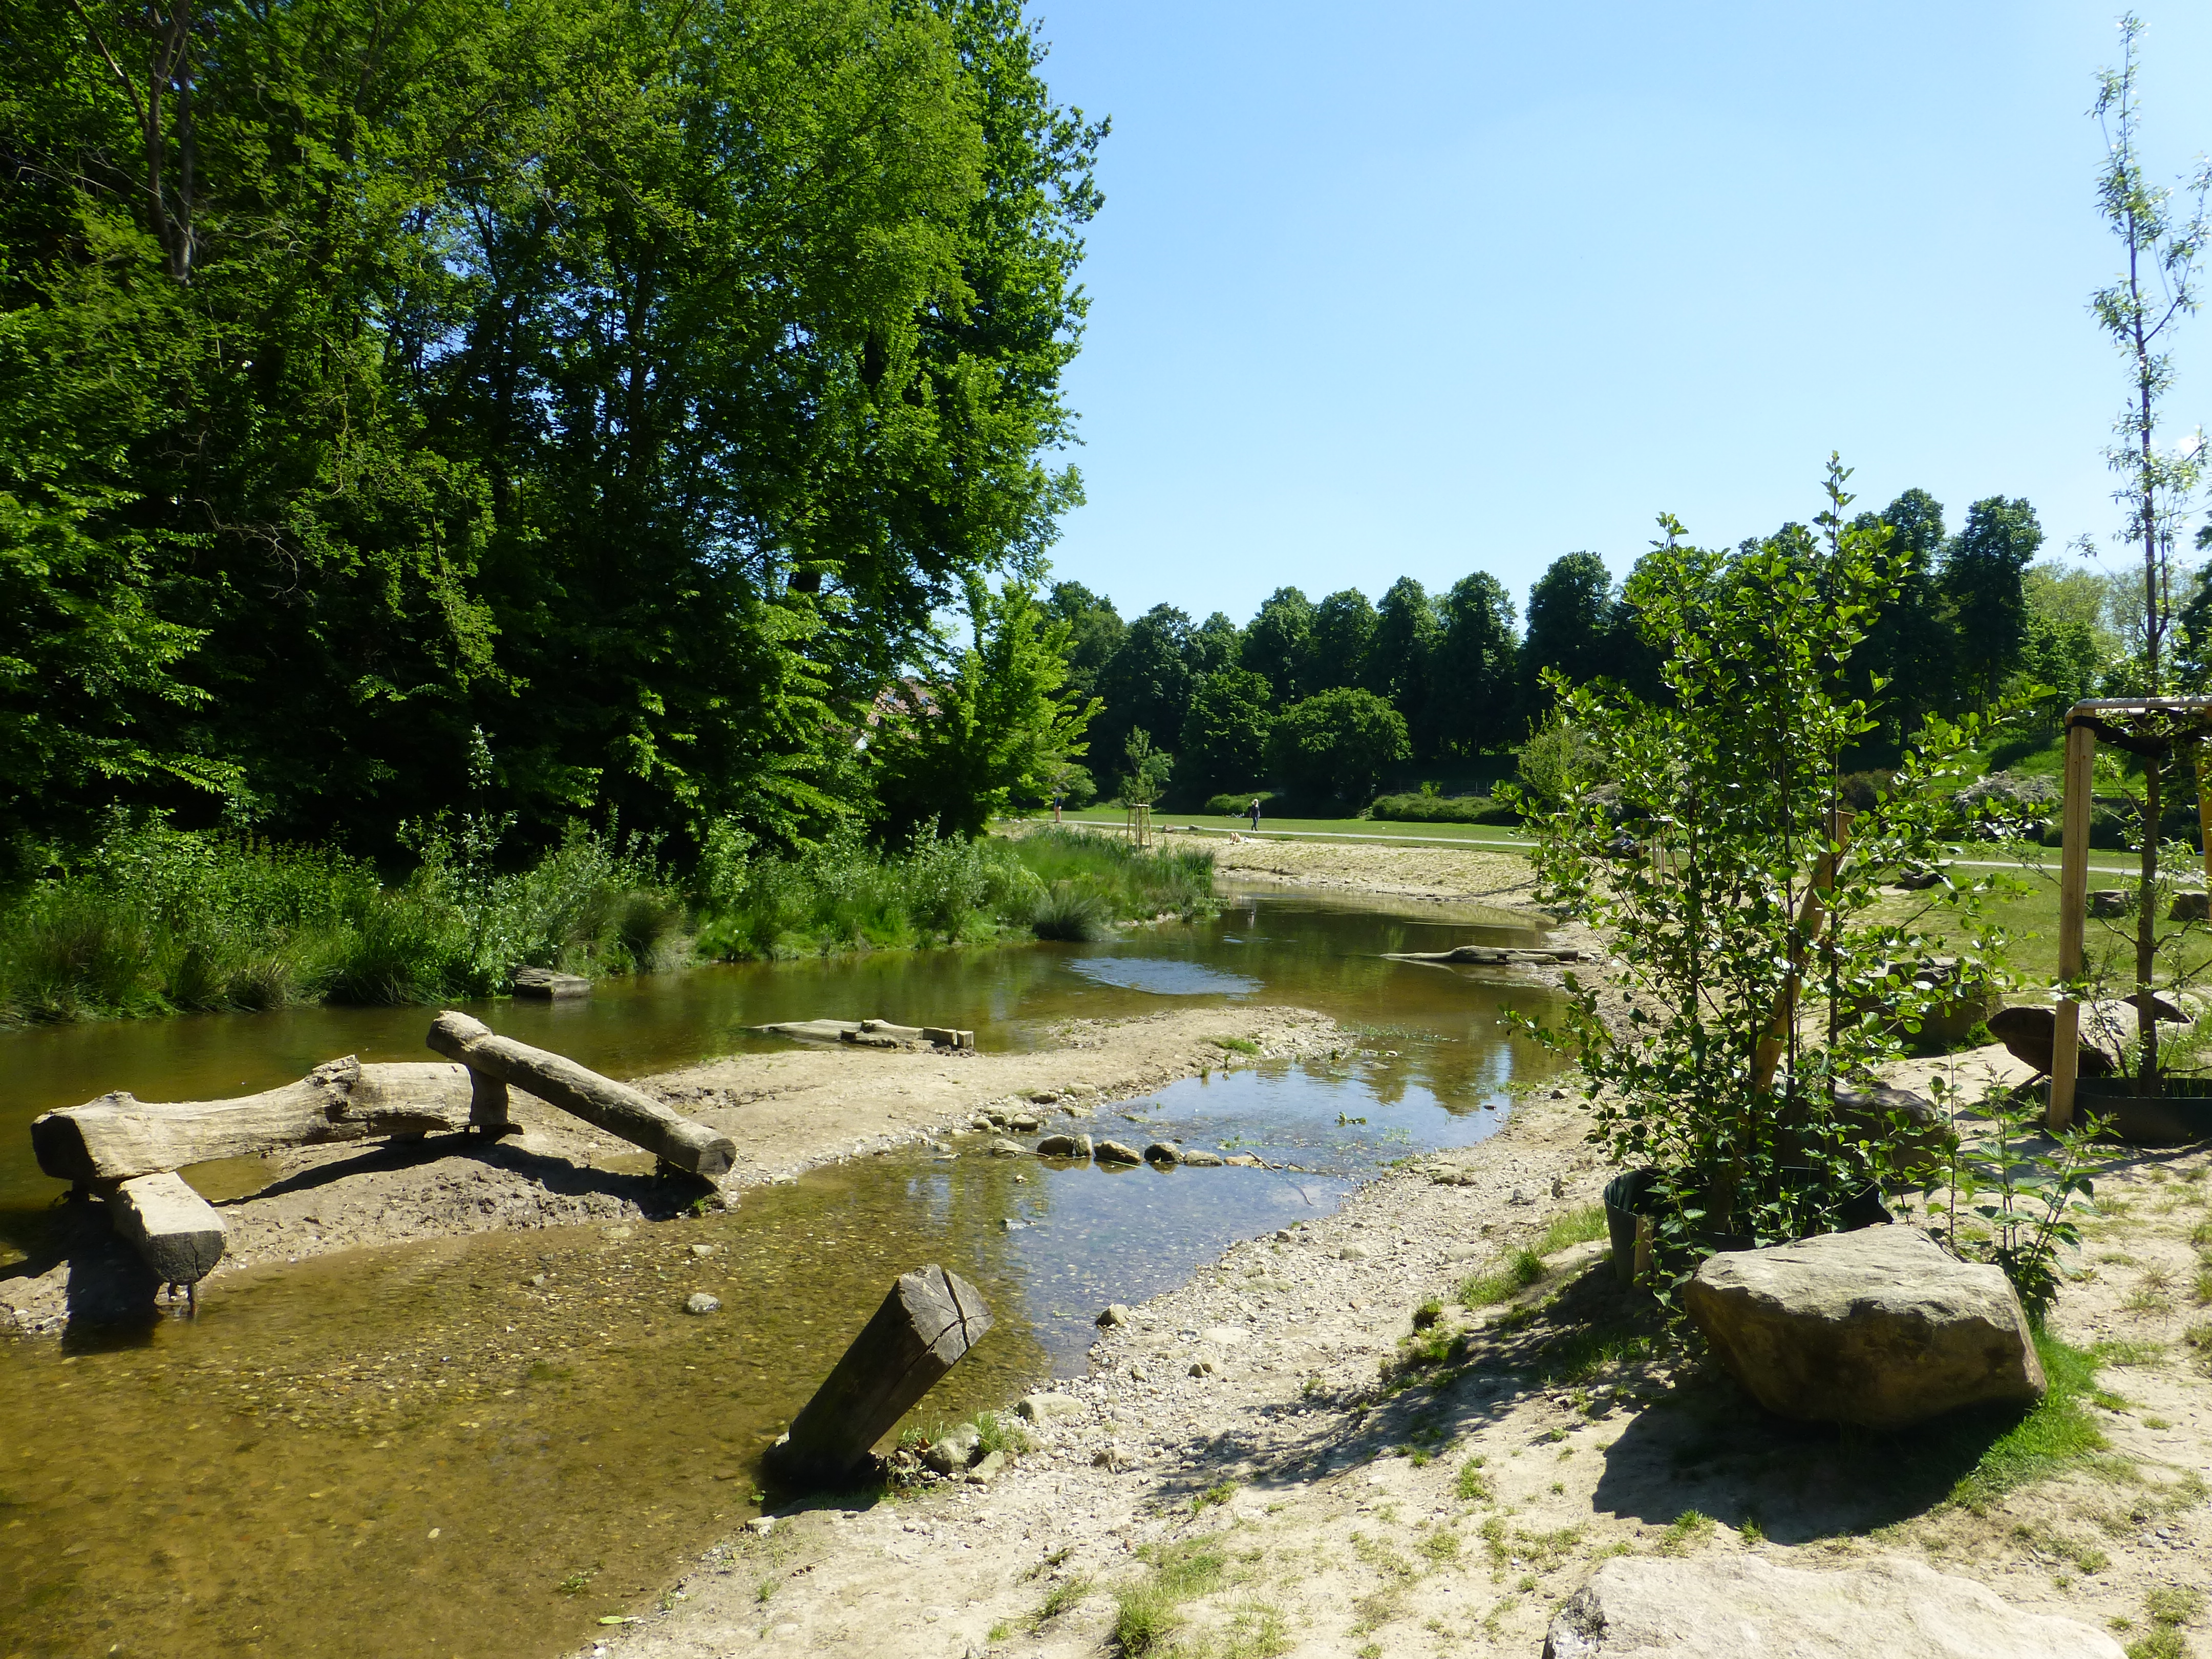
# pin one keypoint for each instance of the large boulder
(1744, 1607)
(1880, 1327)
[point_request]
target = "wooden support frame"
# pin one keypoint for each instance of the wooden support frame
(2083, 721)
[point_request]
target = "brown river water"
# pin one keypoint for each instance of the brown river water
(482, 1448)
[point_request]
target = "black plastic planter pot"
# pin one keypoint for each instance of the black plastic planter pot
(2181, 1111)
(1629, 1209)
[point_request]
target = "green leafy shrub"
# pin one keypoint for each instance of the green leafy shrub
(1337, 744)
(1237, 802)
(1442, 809)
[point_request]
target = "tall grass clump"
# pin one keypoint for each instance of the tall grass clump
(844, 895)
(153, 919)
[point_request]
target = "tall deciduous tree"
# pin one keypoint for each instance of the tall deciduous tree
(1224, 736)
(1337, 648)
(1399, 658)
(1337, 744)
(1570, 614)
(1980, 581)
(1148, 681)
(1474, 674)
(1276, 641)
(2138, 310)
(1909, 646)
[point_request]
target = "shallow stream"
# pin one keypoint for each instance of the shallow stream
(484, 1446)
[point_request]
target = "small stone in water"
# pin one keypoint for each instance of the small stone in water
(700, 1302)
(702, 1251)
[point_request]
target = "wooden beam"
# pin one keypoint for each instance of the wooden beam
(600, 1101)
(927, 1323)
(176, 1230)
(2073, 907)
(120, 1137)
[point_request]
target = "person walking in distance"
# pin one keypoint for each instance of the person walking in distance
(1255, 811)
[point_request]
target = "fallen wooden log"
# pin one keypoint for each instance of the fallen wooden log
(559, 1081)
(120, 1137)
(930, 1319)
(1491, 956)
(174, 1229)
(871, 1033)
(545, 983)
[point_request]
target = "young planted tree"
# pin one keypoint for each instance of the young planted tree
(2140, 309)
(1760, 983)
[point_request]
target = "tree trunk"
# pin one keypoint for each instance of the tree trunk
(174, 1229)
(559, 1081)
(118, 1137)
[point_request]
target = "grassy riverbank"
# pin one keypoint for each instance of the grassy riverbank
(155, 920)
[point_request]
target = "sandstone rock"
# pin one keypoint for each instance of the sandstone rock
(1160, 1153)
(1744, 1607)
(1112, 1151)
(1245, 1161)
(1353, 1253)
(952, 1452)
(700, 1302)
(1204, 1368)
(545, 983)
(702, 1251)
(1223, 1336)
(1047, 1407)
(2111, 901)
(1064, 1147)
(1878, 1326)
(993, 1465)
(2030, 1035)
(1004, 1148)
(1117, 1313)
(1198, 1159)
(2190, 906)
(1024, 1122)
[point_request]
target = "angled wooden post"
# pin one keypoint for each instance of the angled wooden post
(2073, 907)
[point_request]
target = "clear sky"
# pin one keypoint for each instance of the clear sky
(1416, 288)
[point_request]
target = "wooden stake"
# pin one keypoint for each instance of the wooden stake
(2073, 908)
(930, 1319)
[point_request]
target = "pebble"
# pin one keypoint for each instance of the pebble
(702, 1251)
(1353, 1253)
(1204, 1368)
(700, 1302)
(763, 1524)
(1160, 1153)
(1117, 1313)
(1004, 1148)
(1198, 1159)
(1114, 1152)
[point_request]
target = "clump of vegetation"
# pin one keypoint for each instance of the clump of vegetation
(1148, 1614)
(847, 895)
(1433, 808)
(1488, 1288)
(1692, 1527)
(1742, 890)
(153, 919)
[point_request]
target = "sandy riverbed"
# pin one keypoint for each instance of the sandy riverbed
(787, 1111)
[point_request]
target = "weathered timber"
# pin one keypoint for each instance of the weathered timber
(174, 1229)
(600, 1101)
(871, 1033)
(1484, 955)
(544, 983)
(927, 1323)
(118, 1137)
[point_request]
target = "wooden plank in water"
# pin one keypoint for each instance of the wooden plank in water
(174, 1229)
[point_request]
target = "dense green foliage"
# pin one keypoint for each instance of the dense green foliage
(1730, 788)
(1337, 744)
(155, 921)
(846, 895)
(1430, 807)
(635, 380)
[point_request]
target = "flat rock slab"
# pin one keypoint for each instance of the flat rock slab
(1747, 1607)
(1880, 1328)
(1112, 1151)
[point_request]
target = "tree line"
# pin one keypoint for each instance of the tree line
(1330, 699)
(621, 388)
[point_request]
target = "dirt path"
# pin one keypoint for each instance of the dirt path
(1253, 1466)
(1447, 873)
(787, 1111)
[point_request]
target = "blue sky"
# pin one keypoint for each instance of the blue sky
(1420, 289)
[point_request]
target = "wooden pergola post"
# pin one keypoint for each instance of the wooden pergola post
(2073, 909)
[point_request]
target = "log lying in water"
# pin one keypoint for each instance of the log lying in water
(176, 1230)
(118, 1137)
(871, 1033)
(559, 1081)
(545, 983)
(925, 1324)
(1486, 955)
